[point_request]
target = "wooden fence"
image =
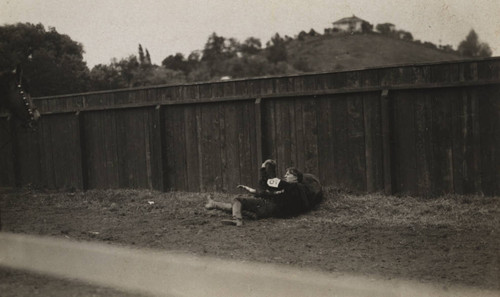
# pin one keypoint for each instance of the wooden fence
(425, 129)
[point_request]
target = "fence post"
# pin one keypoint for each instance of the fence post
(258, 129)
(386, 141)
(15, 156)
(83, 150)
(157, 150)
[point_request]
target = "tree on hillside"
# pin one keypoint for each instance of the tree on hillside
(52, 62)
(251, 46)
(313, 33)
(218, 48)
(194, 60)
(176, 62)
(136, 71)
(148, 57)
(127, 68)
(144, 58)
(105, 77)
(405, 35)
(276, 49)
(385, 28)
(472, 47)
(366, 27)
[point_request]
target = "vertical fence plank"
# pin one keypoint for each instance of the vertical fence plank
(441, 127)
(423, 149)
(340, 142)
(7, 142)
(258, 130)
(373, 142)
(176, 159)
(252, 135)
(60, 152)
(210, 135)
(476, 146)
(468, 152)
(269, 130)
(192, 162)
(223, 146)
(458, 140)
(107, 146)
(247, 162)
(231, 172)
(490, 140)
(404, 135)
(294, 149)
(310, 123)
(283, 136)
(27, 156)
(325, 140)
(387, 139)
(299, 135)
(46, 154)
(156, 143)
(84, 155)
(180, 148)
(169, 161)
(356, 142)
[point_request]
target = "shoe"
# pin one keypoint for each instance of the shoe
(210, 204)
(233, 222)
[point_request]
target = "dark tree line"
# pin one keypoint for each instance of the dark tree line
(54, 64)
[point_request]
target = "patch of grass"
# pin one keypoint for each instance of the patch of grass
(339, 206)
(355, 209)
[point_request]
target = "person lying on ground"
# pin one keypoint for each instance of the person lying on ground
(281, 198)
(253, 207)
(314, 191)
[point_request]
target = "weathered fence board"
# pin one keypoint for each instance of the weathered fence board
(325, 139)
(193, 162)
(458, 123)
(442, 146)
(340, 142)
(425, 129)
(423, 143)
(231, 147)
(27, 157)
(356, 142)
(60, 151)
(7, 142)
(174, 149)
(373, 142)
(404, 136)
(489, 121)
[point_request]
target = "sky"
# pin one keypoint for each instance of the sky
(114, 28)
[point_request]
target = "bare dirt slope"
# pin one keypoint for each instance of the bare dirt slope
(450, 240)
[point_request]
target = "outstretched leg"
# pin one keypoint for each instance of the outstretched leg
(212, 204)
(237, 216)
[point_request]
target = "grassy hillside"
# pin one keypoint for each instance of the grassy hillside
(342, 51)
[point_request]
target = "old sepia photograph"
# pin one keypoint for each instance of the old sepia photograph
(237, 148)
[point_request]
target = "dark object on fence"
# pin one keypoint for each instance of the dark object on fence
(15, 98)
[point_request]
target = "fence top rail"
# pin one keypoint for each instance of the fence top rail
(405, 65)
(271, 96)
(465, 73)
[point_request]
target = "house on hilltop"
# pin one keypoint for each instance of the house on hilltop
(351, 24)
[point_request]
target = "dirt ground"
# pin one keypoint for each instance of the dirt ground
(450, 241)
